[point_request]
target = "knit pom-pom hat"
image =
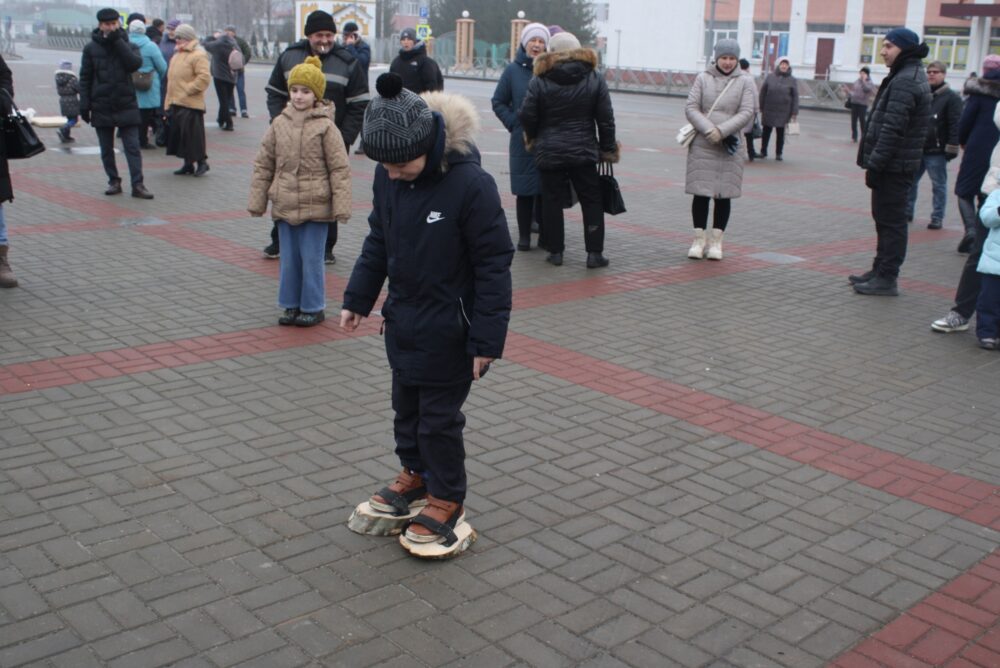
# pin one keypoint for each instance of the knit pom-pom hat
(399, 126)
(309, 73)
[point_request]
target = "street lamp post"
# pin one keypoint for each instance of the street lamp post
(767, 44)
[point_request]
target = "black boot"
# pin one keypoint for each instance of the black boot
(882, 286)
(202, 168)
(555, 259)
(596, 260)
(139, 191)
(854, 279)
(524, 242)
(188, 168)
(114, 187)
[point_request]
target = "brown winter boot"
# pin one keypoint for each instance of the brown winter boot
(7, 278)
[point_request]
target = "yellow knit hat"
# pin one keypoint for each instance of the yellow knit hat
(309, 73)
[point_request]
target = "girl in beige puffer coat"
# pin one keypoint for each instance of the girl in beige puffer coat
(302, 167)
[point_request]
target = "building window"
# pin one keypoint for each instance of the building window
(779, 45)
(951, 49)
(410, 8)
(720, 33)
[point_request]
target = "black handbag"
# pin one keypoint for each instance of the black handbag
(17, 138)
(756, 131)
(611, 195)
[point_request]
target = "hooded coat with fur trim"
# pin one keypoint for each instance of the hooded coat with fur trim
(977, 133)
(302, 167)
(567, 115)
(443, 243)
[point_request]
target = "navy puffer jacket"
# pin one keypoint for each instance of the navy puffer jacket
(900, 117)
(567, 115)
(106, 89)
(443, 243)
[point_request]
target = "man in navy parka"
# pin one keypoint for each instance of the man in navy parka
(439, 234)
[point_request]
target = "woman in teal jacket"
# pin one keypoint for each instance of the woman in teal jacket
(149, 100)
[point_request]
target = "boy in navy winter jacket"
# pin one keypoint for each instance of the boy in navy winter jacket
(440, 236)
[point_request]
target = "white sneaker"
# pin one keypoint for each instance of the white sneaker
(953, 322)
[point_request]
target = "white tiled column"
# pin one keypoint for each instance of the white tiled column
(797, 32)
(854, 29)
(916, 10)
(745, 28)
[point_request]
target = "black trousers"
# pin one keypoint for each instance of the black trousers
(529, 208)
(588, 188)
(224, 91)
(859, 114)
(331, 236)
(428, 430)
(720, 216)
(765, 139)
(130, 145)
(151, 120)
(971, 280)
(748, 136)
(890, 191)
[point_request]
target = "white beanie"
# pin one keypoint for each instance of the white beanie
(563, 41)
(533, 30)
(137, 26)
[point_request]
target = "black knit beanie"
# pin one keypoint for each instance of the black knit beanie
(399, 126)
(108, 14)
(319, 20)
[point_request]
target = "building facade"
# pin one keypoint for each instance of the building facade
(824, 39)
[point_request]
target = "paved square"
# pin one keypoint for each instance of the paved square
(678, 463)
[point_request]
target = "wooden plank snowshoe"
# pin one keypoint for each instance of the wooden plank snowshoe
(366, 520)
(446, 539)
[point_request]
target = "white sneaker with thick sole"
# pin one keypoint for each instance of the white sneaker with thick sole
(953, 322)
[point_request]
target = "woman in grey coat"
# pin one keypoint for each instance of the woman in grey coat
(715, 157)
(779, 104)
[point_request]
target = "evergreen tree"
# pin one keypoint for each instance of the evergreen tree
(493, 17)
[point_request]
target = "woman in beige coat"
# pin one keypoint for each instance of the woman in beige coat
(720, 104)
(187, 80)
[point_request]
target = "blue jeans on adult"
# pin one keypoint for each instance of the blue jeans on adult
(241, 92)
(302, 284)
(3, 228)
(936, 165)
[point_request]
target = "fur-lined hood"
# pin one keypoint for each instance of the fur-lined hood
(546, 62)
(983, 86)
(461, 124)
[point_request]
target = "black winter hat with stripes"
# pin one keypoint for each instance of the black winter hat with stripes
(399, 126)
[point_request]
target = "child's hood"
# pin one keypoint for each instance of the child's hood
(322, 109)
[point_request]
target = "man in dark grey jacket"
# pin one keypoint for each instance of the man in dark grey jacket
(891, 153)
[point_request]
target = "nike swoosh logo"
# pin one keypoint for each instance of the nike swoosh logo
(434, 217)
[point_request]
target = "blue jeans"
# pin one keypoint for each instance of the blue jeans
(937, 167)
(988, 307)
(3, 228)
(241, 92)
(303, 281)
(70, 123)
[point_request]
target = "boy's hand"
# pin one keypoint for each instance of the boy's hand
(350, 320)
(480, 365)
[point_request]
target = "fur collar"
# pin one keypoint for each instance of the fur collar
(461, 122)
(548, 61)
(983, 86)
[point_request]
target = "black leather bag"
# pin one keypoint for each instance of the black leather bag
(17, 138)
(611, 195)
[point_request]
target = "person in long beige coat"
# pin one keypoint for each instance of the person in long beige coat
(302, 167)
(719, 105)
(188, 78)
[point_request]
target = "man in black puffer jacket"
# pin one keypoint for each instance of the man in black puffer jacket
(419, 72)
(107, 99)
(891, 153)
(569, 125)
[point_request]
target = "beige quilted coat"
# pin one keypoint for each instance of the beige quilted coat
(302, 167)
(711, 171)
(188, 77)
